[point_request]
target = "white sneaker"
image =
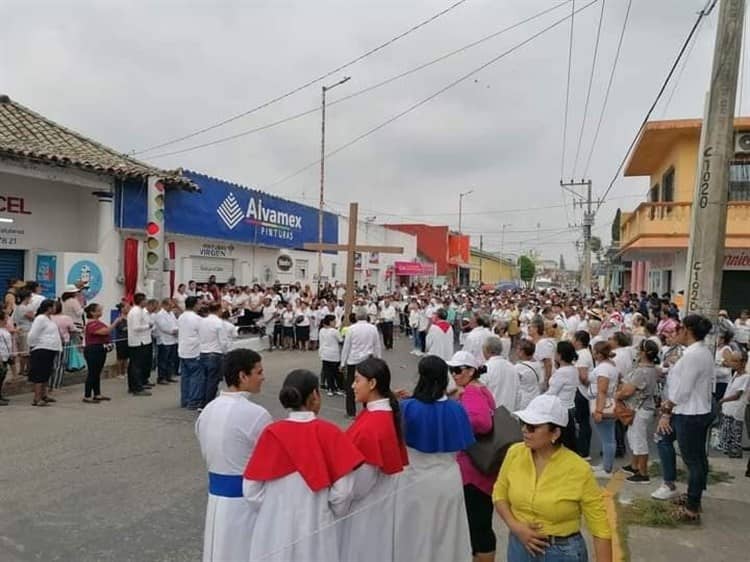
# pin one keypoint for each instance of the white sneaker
(329, 393)
(664, 493)
(597, 467)
(602, 474)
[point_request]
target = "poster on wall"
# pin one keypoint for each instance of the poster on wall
(357, 260)
(46, 273)
(88, 273)
(374, 258)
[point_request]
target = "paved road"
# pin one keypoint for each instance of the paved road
(123, 480)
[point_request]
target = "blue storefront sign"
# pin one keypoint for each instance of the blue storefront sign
(46, 273)
(226, 211)
(88, 273)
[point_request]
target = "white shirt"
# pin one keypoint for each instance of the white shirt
(624, 360)
(585, 361)
(165, 327)
(604, 370)
(530, 378)
(6, 344)
(212, 335)
(179, 299)
(736, 408)
(188, 338)
(388, 314)
(329, 340)
(362, 340)
(563, 383)
(502, 381)
(545, 349)
(691, 381)
(475, 341)
(139, 327)
(44, 334)
(742, 331)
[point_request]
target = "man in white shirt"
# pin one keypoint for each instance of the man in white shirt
(475, 340)
(501, 377)
(192, 376)
(388, 316)
(165, 330)
(687, 411)
(139, 347)
(440, 338)
(362, 341)
(214, 343)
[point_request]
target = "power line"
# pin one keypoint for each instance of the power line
(306, 84)
(427, 99)
(567, 91)
(679, 74)
(588, 90)
(703, 13)
(363, 90)
(609, 88)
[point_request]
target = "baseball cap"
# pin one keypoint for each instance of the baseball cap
(544, 409)
(463, 359)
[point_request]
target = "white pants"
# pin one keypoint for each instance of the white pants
(638, 432)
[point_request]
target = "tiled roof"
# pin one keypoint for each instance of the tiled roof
(27, 135)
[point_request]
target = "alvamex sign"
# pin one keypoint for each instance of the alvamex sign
(258, 214)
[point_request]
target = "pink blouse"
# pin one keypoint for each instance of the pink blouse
(65, 326)
(480, 406)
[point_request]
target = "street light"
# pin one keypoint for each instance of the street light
(324, 89)
(502, 239)
(460, 206)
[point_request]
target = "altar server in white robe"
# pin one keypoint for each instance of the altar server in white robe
(228, 430)
(431, 520)
(440, 336)
(300, 476)
(377, 434)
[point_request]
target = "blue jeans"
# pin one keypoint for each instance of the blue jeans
(667, 457)
(192, 383)
(571, 550)
(691, 435)
(166, 361)
(605, 429)
(211, 363)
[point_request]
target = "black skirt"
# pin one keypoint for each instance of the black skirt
(303, 333)
(41, 364)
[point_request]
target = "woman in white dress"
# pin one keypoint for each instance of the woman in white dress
(431, 520)
(300, 478)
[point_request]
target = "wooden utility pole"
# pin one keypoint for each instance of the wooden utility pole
(351, 248)
(709, 214)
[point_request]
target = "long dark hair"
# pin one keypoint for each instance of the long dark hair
(433, 379)
(377, 370)
(297, 388)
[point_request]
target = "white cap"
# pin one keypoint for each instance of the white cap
(71, 289)
(463, 359)
(544, 409)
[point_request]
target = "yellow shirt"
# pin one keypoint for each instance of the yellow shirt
(556, 500)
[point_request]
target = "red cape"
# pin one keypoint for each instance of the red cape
(318, 450)
(443, 325)
(374, 434)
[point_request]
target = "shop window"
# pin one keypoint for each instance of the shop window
(739, 181)
(333, 271)
(653, 197)
(667, 192)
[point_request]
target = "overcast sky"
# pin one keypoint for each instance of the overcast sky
(133, 74)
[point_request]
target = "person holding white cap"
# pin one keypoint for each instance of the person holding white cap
(543, 489)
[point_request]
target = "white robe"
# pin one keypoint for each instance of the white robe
(228, 429)
(431, 521)
(475, 341)
(295, 523)
(440, 343)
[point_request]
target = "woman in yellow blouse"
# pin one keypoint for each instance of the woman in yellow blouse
(543, 489)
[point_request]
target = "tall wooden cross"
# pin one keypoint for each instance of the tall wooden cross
(351, 249)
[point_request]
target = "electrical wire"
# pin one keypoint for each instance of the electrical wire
(701, 15)
(427, 99)
(588, 90)
(380, 84)
(609, 88)
(306, 84)
(567, 92)
(680, 73)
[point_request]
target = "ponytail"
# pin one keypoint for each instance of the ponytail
(396, 411)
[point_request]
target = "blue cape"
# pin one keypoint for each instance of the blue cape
(439, 427)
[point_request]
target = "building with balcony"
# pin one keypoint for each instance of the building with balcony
(655, 235)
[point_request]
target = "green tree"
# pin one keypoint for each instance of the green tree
(527, 269)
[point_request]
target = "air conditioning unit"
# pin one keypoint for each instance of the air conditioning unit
(742, 142)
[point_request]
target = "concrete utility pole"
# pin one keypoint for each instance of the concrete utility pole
(461, 207)
(324, 89)
(481, 260)
(588, 222)
(708, 226)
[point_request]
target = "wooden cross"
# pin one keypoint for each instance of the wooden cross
(351, 248)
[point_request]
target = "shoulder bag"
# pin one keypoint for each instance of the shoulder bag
(488, 451)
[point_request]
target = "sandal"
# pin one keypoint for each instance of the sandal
(681, 501)
(49, 399)
(682, 515)
(39, 403)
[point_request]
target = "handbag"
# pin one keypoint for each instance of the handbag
(488, 451)
(608, 411)
(76, 361)
(624, 413)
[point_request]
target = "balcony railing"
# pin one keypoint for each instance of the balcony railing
(673, 219)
